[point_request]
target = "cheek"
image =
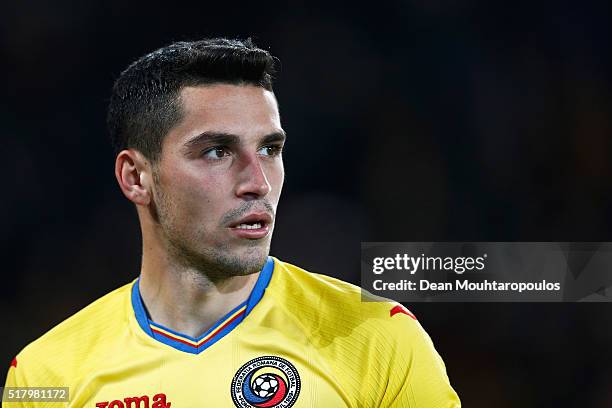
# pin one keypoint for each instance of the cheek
(196, 198)
(277, 178)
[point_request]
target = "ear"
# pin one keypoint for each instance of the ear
(134, 175)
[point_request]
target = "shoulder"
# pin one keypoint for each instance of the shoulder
(373, 345)
(58, 355)
(331, 304)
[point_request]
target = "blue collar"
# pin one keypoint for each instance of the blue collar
(226, 324)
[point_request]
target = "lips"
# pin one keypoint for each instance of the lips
(252, 226)
(263, 218)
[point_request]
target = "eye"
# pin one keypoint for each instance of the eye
(216, 153)
(271, 150)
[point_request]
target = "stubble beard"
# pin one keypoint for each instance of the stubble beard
(215, 263)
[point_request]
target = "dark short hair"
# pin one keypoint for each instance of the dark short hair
(144, 104)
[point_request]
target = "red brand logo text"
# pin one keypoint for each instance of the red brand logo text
(158, 401)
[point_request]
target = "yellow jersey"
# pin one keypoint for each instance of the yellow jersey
(300, 340)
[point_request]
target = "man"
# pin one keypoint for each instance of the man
(213, 320)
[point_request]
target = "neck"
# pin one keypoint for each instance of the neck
(185, 299)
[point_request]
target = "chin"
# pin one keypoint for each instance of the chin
(254, 257)
(234, 261)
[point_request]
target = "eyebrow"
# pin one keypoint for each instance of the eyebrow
(221, 138)
(275, 137)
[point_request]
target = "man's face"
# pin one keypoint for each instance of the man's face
(219, 179)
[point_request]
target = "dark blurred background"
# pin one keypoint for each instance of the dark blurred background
(413, 120)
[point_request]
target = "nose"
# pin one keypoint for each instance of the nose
(253, 182)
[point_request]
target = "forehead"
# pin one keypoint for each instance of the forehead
(244, 110)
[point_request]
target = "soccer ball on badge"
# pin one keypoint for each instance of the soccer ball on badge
(265, 385)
